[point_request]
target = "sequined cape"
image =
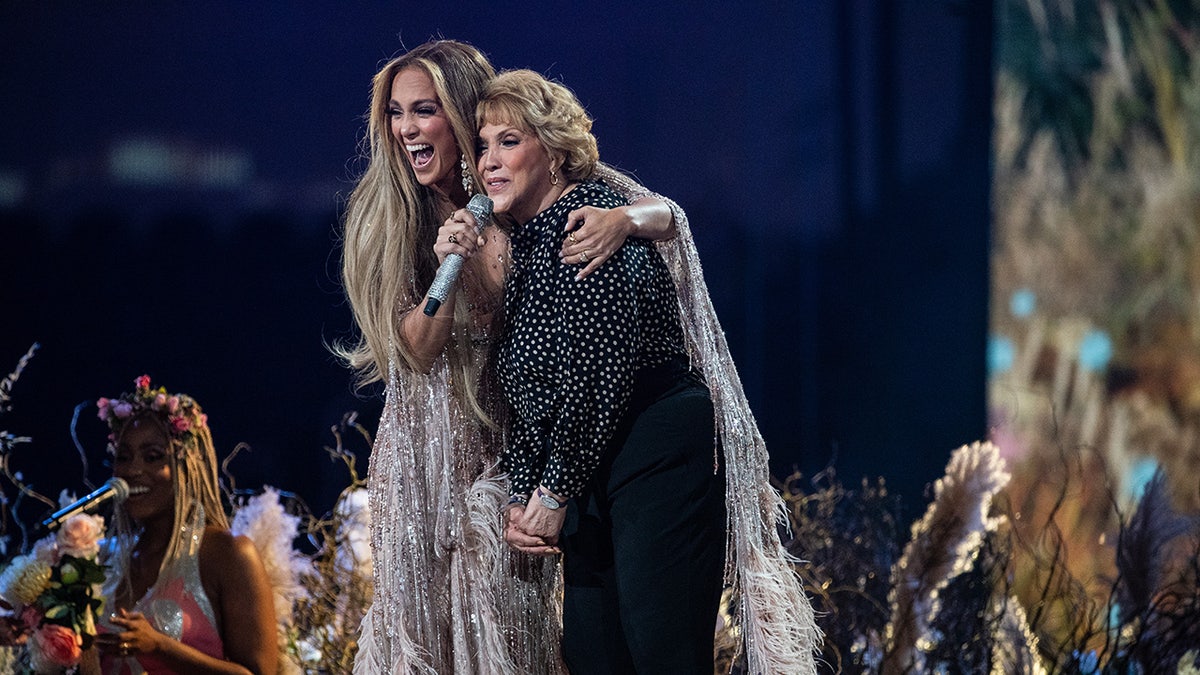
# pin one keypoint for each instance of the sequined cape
(774, 616)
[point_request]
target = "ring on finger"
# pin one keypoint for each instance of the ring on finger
(584, 257)
(452, 239)
(571, 237)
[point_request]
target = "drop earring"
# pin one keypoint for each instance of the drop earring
(553, 177)
(468, 183)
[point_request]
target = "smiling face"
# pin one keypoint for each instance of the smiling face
(516, 171)
(142, 460)
(420, 126)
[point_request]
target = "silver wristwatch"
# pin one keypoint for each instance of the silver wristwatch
(549, 501)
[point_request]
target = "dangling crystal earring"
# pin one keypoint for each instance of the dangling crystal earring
(553, 177)
(468, 184)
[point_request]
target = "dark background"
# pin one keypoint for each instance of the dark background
(832, 156)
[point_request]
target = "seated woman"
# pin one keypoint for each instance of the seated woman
(183, 595)
(608, 416)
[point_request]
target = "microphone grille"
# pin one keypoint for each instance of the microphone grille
(120, 488)
(481, 207)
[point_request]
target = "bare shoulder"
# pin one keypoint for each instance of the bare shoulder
(225, 555)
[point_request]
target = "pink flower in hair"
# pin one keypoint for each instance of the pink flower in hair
(102, 405)
(180, 412)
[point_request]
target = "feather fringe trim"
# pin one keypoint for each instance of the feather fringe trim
(778, 624)
(485, 544)
(370, 660)
(366, 660)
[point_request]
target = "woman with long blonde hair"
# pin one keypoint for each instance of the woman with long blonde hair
(448, 596)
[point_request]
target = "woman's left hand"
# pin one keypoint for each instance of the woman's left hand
(593, 235)
(138, 636)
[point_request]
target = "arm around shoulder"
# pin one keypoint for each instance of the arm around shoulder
(652, 218)
(650, 215)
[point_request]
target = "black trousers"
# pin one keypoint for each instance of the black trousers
(644, 546)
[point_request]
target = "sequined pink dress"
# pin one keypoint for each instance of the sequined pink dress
(176, 606)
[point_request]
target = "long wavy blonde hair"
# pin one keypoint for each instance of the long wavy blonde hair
(391, 221)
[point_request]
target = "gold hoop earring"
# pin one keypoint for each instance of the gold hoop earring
(553, 177)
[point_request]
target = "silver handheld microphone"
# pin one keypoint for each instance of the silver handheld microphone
(480, 207)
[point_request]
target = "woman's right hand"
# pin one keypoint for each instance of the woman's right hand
(458, 235)
(134, 636)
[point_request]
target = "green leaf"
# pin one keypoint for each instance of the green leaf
(57, 611)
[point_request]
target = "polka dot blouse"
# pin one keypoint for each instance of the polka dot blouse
(571, 348)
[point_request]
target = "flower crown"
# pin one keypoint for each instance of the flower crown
(182, 415)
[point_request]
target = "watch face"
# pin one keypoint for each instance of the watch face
(549, 502)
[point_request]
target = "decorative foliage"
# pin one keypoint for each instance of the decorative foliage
(273, 531)
(851, 539)
(950, 544)
(1156, 599)
(320, 597)
(948, 604)
(339, 589)
(1095, 365)
(9, 443)
(55, 591)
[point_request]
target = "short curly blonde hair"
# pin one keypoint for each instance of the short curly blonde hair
(547, 110)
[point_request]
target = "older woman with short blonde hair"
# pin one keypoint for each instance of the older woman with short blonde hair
(611, 451)
(610, 422)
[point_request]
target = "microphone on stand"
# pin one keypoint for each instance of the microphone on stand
(115, 488)
(481, 207)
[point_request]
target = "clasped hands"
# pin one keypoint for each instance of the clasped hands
(534, 529)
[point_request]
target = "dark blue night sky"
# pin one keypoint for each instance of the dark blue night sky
(832, 156)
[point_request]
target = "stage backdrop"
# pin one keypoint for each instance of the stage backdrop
(171, 177)
(1094, 354)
